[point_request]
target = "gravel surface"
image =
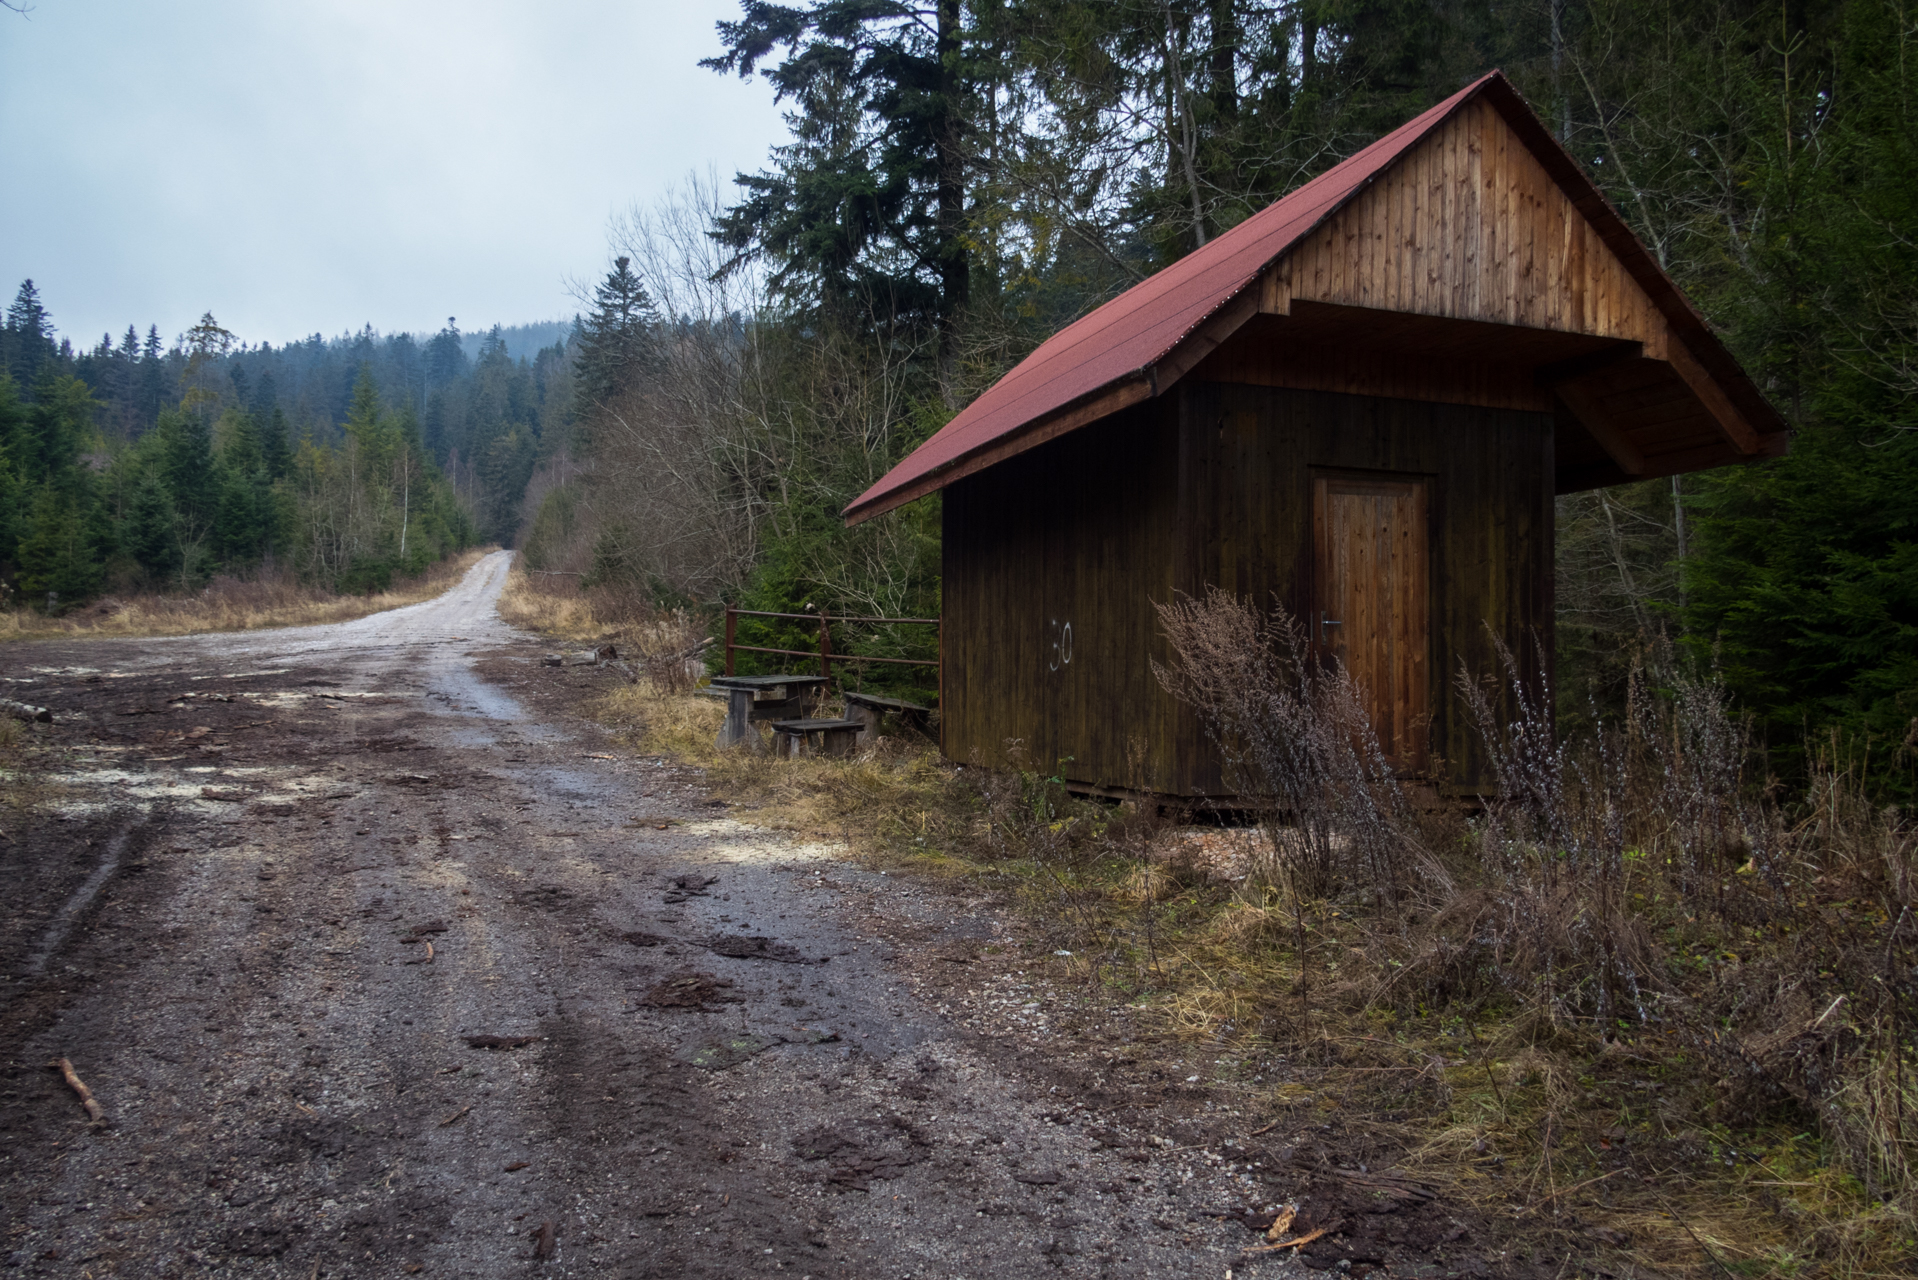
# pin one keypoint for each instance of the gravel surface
(382, 962)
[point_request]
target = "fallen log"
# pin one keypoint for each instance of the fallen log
(74, 1082)
(26, 711)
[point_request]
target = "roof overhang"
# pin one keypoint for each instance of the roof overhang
(1138, 345)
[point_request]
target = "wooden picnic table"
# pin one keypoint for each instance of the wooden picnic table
(794, 738)
(756, 699)
(870, 708)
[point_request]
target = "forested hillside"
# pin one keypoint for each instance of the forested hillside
(146, 465)
(964, 177)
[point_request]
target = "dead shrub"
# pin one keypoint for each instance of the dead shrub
(1297, 747)
(668, 644)
(1630, 906)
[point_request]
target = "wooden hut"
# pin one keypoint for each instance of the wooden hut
(1359, 403)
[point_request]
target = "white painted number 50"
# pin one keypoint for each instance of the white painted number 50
(1061, 645)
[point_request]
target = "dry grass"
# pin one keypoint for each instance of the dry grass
(666, 642)
(1695, 1041)
(231, 604)
(552, 606)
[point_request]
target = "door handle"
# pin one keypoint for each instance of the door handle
(1325, 621)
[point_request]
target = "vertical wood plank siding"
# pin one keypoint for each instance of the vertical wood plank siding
(1371, 538)
(1469, 225)
(1078, 533)
(1211, 484)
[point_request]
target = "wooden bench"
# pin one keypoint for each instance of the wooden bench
(869, 709)
(794, 738)
(754, 700)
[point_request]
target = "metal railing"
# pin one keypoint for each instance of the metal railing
(825, 652)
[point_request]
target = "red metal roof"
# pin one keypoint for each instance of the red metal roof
(1138, 328)
(1122, 340)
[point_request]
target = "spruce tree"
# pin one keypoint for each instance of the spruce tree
(126, 385)
(147, 533)
(185, 464)
(274, 449)
(63, 548)
(153, 379)
(445, 357)
(30, 337)
(616, 339)
(867, 208)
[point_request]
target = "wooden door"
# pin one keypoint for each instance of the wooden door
(1370, 612)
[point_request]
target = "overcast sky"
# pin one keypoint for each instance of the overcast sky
(302, 166)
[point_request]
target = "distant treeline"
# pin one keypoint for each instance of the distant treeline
(145, 465)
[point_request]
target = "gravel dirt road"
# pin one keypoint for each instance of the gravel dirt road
(382, 962)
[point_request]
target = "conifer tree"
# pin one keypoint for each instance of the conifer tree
(445, 357)
(274, 450)
(29, 337)
(616, 338)
(63, 550)
(867, 209)
(147, 533)
(153, 378)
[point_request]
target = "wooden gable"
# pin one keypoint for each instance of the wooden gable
(1467, 274)
(1468, 225)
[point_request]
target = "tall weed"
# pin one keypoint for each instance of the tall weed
(1297, 747)
(1634, 894)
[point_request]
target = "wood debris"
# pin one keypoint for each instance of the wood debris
(1295, 1242)
(544, 1240)
(94, 1110)
(456, 1115)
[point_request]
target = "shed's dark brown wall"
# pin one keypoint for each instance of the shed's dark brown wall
(1077, 533)
(1250, 453)
(1211, 484)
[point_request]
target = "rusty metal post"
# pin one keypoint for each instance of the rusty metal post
(731, 619)
(825, 645)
